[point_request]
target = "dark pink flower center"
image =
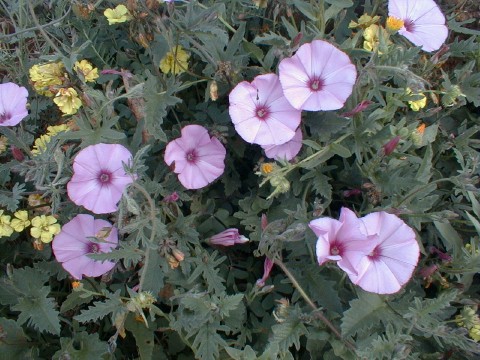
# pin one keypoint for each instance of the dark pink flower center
(336, 249)
(315, 84)
(409, 25)
(93, 248)
(5, 117)
(105, 177)
(192, 156)
(375, 254)
(262, 112)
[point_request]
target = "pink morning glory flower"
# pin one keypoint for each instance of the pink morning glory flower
(285, 151)
(318, 77)
(13, 104)
(393, 258)
(267, 268)
(74, 242)
(423, 22)
(260, 112)
(228, 237)
(99, 178)
(341, 241)
(199, 159)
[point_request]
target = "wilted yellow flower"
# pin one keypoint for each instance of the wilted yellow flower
(3, 144)
(417, 134)
(416, 105)
(85, 68)
(393, 24)
(5, 225)
(20, 222)
(45, 75)
(261, 4)
(44, 228)
(67, 101)
(364, 21)
(372, 37)
(176, 61)
(118, 15)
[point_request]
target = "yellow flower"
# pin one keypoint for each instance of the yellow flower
(267, 168)
(3, 144)
(176, 61)
(372, 37)
(474, 333)
(21, 220)
(45, 75)
(57, 129)
(67, 100)
(40, 144)
(118, 15)
(416, 105)
(364, 21)
(44, 228)
(5, 226)
(85, 68)
(393, 24)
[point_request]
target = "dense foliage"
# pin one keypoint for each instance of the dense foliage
(176, 286)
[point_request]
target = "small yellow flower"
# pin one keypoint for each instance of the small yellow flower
(40, 144)
(3, 144)
(372, 37)
(5, 225)
(416, 105)
(417, 134)
(67, 101)
(364, 21)
(76, 285)
(393, 24)
(267, 168)
(85, 68)
(43, 76)
(118, 15)
(57, 129)
(176, 61)
(20, 222)
(44, 228)
(474, 333)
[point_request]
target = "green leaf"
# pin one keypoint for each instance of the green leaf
(207, 343)
(246, 354)
(288, 333)
(424, 172)
(369, 309)
(112, 305)
(39, 312)
(143, 337)
(157, 100)
(206, 266)
(14, 343)
(82, 346)
(451, 239)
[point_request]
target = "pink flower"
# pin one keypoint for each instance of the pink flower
(173, 197)
(424, 23)
(199, 159)
(285, 151)
(267, 268)
(318, 77)
(98, 177)
(393, 258)
(261, 113)
(74, 242)
(341, 241)
(228, 237)
(13, 104)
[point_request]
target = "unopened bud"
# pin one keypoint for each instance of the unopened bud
(390, 146)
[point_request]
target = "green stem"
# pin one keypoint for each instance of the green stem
(42, 31)
(309, 301)
(413, 193)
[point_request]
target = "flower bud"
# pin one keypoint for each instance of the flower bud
(228, 237)
(390, 146)
(17, 153)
